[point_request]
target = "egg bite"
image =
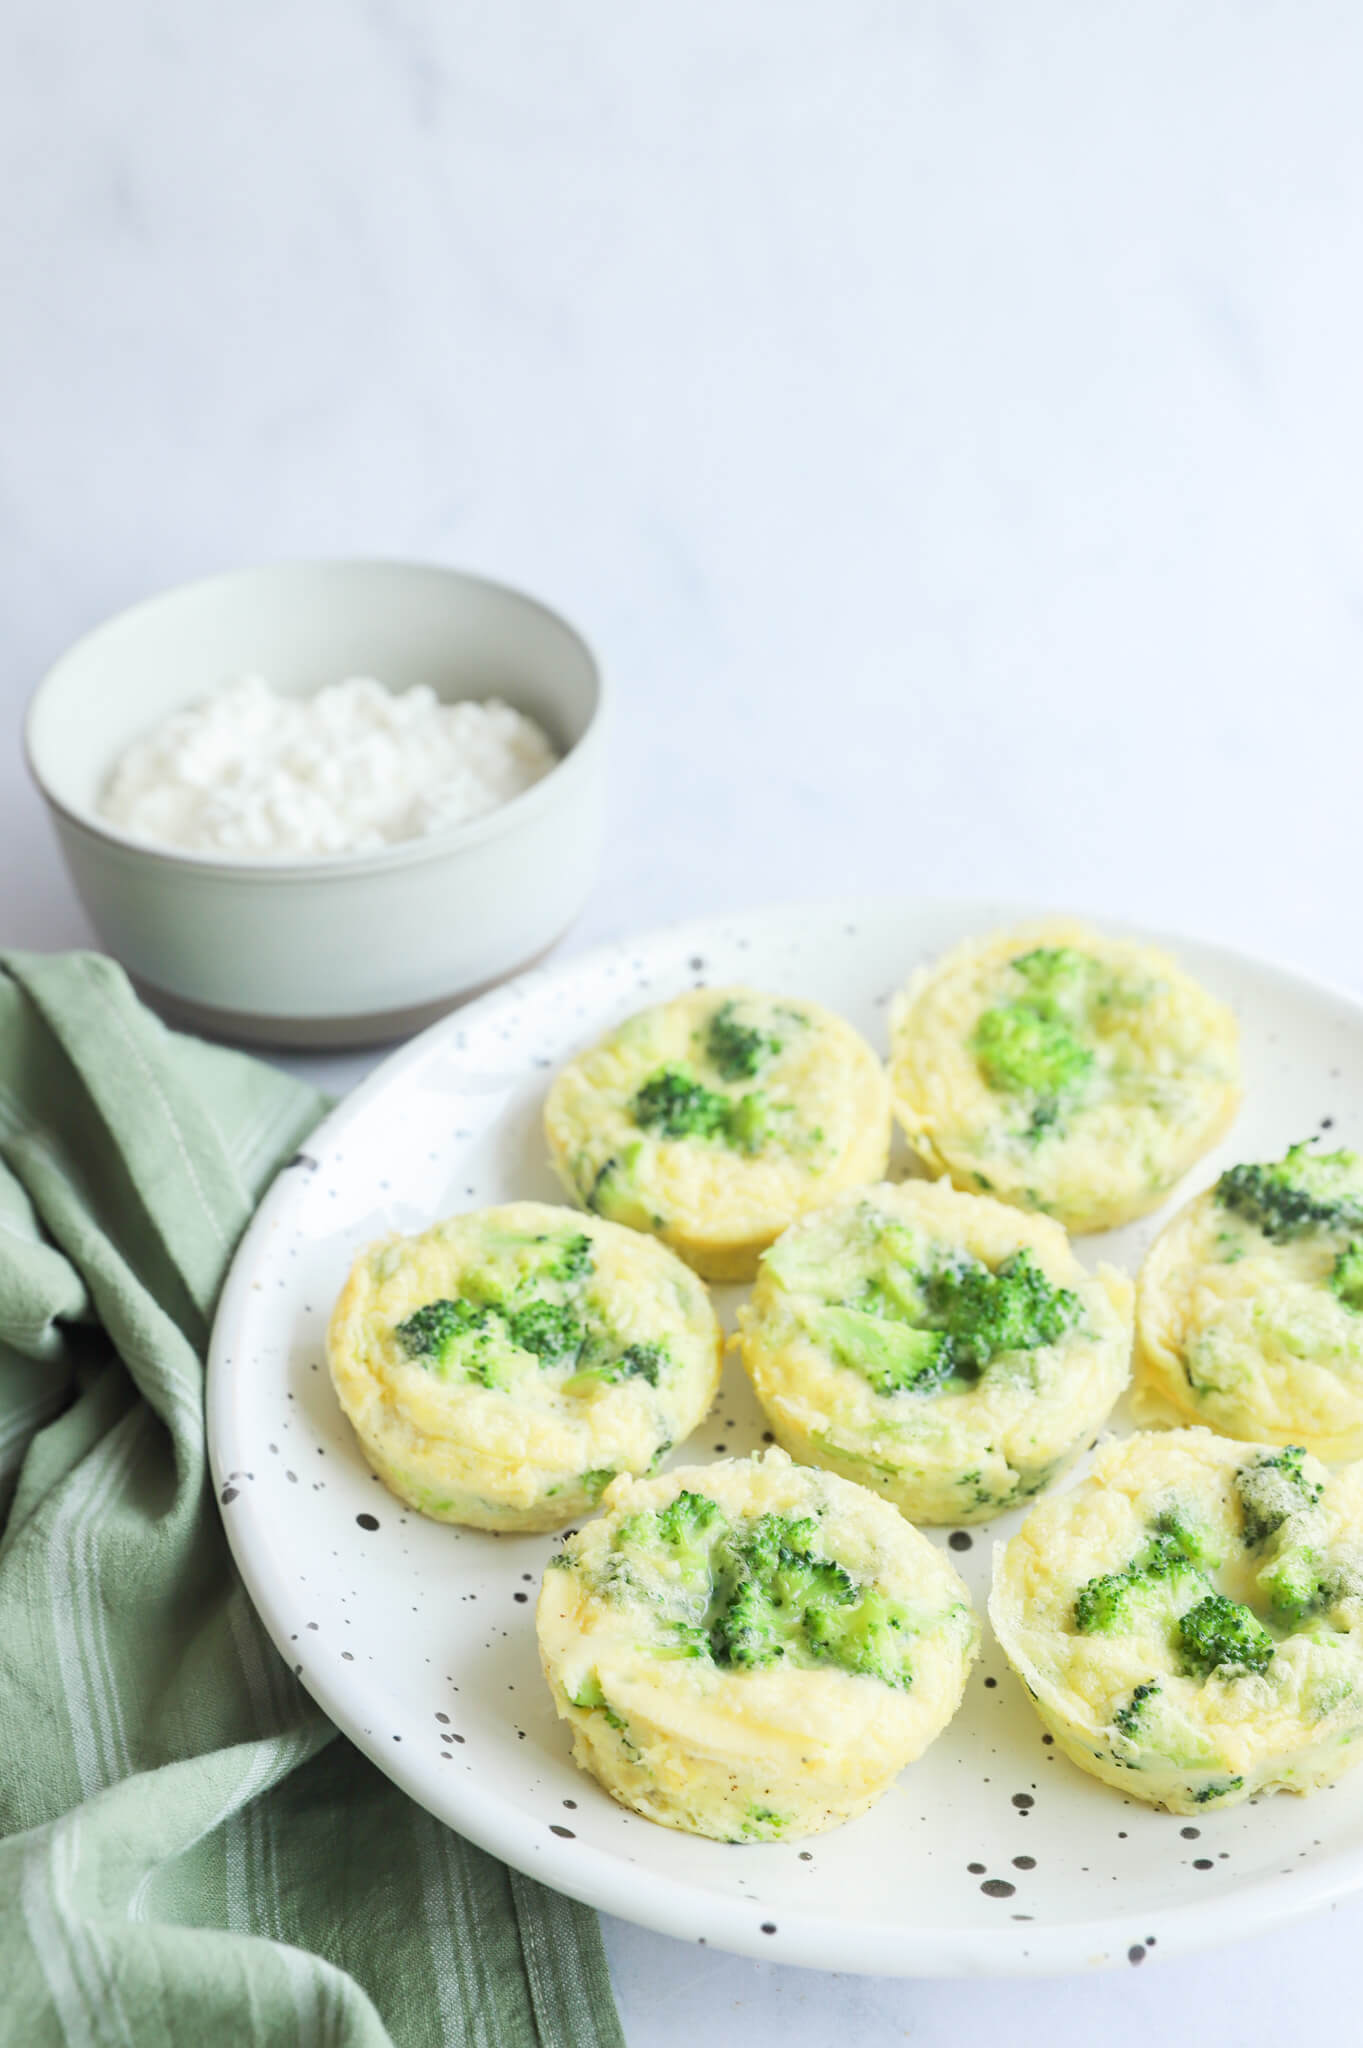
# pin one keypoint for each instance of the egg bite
(1063, 1071)
(939, 1347)
(751, 1650)
(713, 1120)
(1189, 1619)
(1249, 1307)
(504, 1366)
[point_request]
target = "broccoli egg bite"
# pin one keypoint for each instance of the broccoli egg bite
(751, 1650)
(1249, 1307)
(504, 1366)
(1189, 1619)
(715, 1119)
(1064, 1071)
(942, 1348)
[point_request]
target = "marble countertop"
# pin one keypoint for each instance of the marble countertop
(945, 421)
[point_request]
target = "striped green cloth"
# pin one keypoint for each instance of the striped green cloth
(188, 1850)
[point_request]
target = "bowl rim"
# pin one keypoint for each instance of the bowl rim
(444, 840)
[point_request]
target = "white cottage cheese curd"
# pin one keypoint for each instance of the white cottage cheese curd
(354, 767)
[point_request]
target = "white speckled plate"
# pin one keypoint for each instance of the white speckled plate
(992, 1853)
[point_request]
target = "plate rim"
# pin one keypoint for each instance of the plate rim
(651, 1898)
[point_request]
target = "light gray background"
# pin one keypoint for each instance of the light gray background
(945, 419)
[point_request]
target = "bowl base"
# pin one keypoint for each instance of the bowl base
(318, 1034)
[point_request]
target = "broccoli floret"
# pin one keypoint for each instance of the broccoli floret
(750, 1594)
(598, 1194)
(786, 1600)
(595, 1482)
(589, 1693)
(1128, 1718)
(1171, 1553)
(635, 1362)
(1272, 1490)
(640, 1362)
(746, 1632)
(1104, 1604)
(1193, 1543)
(763, 1824)
(1221, 1633)
(678, 1106)
(1305, 1191)
(1114, 1601)
(1217, 1789)
(895, 1357)
(1293, 1584)
(1057, 979)
(1020, 1052)
(774, 1540)
(864, 1635)
(430, 1333)
(1031, 1047)
(590, 1697)
(910, 1332)
(748, 1124)
(550, 1329)
(688, 1526)
(1346, 1278)
(1014, 1308)
(574, 1261)
(668, 1558)
(737, 1051)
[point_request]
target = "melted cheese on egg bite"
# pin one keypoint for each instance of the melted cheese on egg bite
(1188, 1620)
(713, 1120)
(751, 1650)
(1249, 1307)
(942, 1348)
(1063, 1071)
(504, 1366)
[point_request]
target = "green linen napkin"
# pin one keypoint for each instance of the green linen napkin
(188, 1850)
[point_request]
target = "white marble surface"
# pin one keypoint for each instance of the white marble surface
(945, 418)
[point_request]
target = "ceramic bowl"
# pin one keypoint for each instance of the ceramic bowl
(345, 949)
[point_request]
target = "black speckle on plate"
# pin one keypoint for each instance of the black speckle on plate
(998, 1888)
(566, 1833)
(229, 1494)
(959, 1540)
(1136, 1953)
(367, 1521)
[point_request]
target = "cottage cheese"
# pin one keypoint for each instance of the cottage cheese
(351, 768)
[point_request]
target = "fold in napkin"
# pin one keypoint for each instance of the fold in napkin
(188, 1850)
